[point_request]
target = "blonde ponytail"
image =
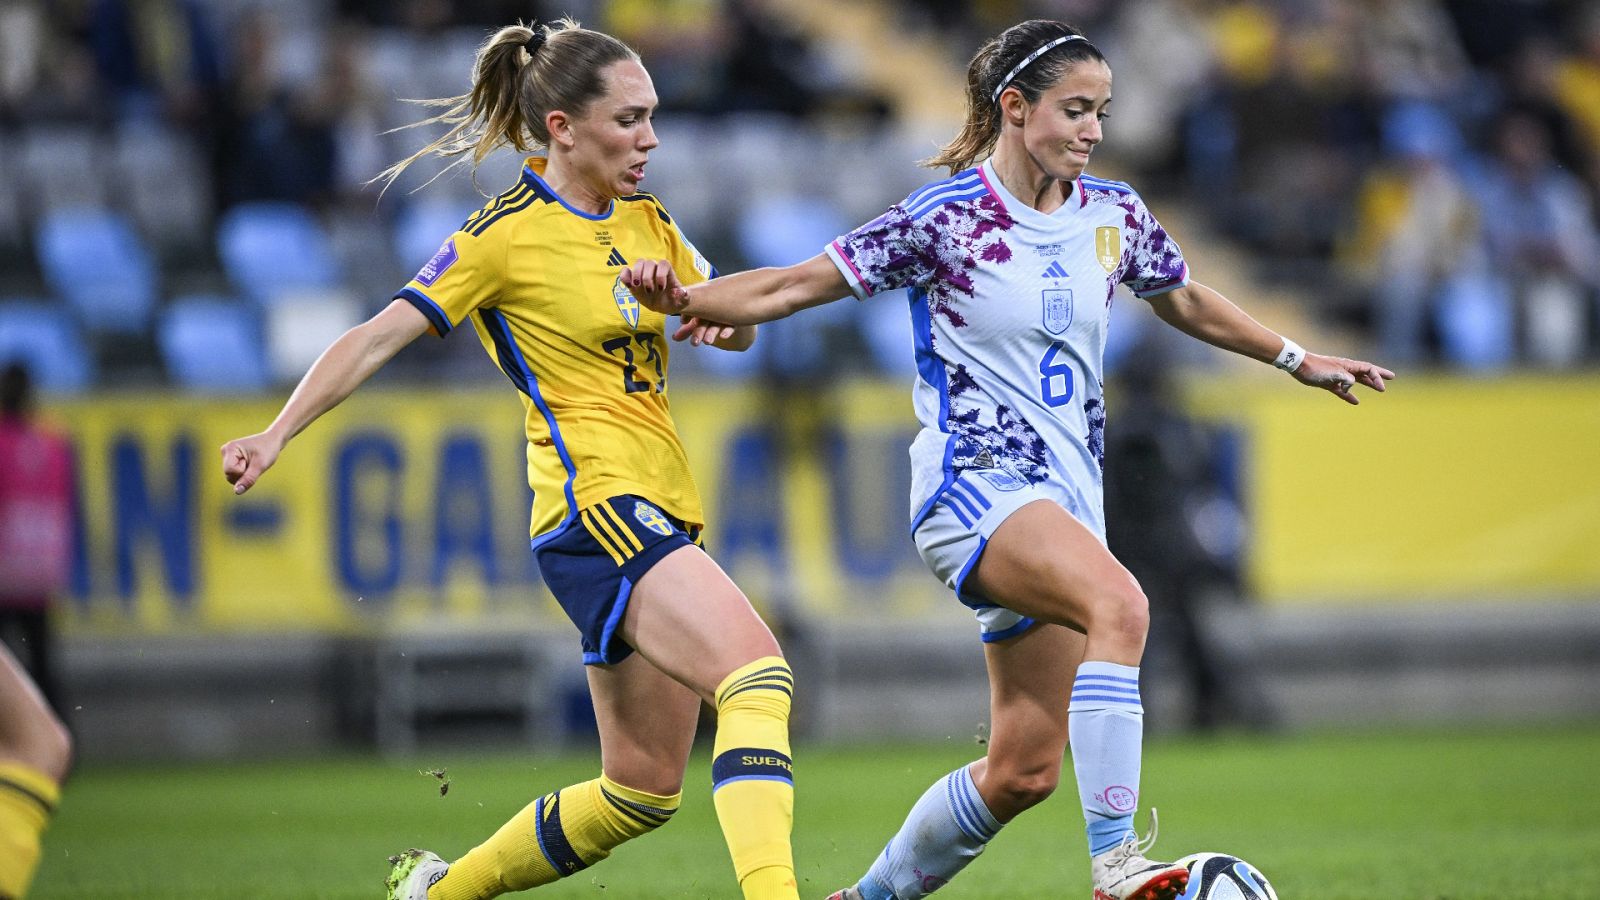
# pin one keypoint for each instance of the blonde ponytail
(513, 90)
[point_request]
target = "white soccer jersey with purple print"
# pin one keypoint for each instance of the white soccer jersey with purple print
(1009, 309)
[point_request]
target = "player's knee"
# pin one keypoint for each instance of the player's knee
(1123, 612)
(45, 745)
(661, 776)
(58, 750)
(1015, 790)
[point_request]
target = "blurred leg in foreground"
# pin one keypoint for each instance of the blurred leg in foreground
(35, 752)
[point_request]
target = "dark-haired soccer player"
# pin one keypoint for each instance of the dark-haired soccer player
(1012, 263)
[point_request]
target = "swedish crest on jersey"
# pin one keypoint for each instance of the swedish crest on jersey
(1108, 247)
(651, 518)
(627, 304)
(1057, 309)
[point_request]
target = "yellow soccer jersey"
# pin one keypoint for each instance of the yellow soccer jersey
(539, 280)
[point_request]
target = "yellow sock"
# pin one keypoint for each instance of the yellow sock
(27, 798)
(554, 836)
(753, 778)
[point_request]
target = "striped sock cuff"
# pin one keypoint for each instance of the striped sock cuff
(966, 805)
(769, 672)
(752, 742)
(643, 810)
(30, 784)
(1106, 685)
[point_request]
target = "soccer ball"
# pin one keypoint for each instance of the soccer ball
(1218, 876)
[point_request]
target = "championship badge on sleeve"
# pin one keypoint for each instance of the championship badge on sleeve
(1108, 247)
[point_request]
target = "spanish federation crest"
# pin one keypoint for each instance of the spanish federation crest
(1108, 247)
(1057, 310)
(626, 303)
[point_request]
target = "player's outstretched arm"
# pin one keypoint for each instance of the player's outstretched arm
(340, 369)
(744, 298)
(1201, 312)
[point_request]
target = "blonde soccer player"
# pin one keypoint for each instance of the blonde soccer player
(1011, 264)
(616, 519)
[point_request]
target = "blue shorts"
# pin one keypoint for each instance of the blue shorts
(593, 562)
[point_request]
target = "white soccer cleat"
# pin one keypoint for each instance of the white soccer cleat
(414, 872)
(849, 893)
(1122, 873)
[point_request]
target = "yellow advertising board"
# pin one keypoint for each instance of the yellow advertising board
(1439, 488)
(412, 506)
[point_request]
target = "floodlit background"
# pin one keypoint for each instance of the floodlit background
(185, 223)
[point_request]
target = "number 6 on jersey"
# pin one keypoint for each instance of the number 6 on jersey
(1055, 382)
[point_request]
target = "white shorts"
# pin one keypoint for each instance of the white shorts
(958, 522)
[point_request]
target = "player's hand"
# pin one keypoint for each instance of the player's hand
(245, 459)
(1340, 375)
(655, 285)
(700, 331)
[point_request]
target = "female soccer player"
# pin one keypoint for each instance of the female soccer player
(616, 516)
(1012, 265)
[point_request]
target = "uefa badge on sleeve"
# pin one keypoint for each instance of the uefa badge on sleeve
(441, 262)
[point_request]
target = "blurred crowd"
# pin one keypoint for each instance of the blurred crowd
(1424, 171)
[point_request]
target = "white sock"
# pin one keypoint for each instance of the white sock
(946, 829)
(1106, 724)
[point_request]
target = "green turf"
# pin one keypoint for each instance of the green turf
(1414, 815)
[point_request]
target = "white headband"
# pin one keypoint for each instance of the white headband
(1016, 70)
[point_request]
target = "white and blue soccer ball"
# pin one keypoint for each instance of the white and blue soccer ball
(1218, 876)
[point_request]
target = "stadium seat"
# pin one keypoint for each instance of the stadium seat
(1476, 322)
(60, 165)
(165, 184)
(422, 227)
(95, 260)
(273, 249)
(301, 324)
(213, 344)
(46, 340)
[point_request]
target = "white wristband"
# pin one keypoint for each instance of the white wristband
(1290, 357)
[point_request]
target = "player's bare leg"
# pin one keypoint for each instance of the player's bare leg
(647, 723)
(694, 624)
(1030, 681)
(1030, 676)
(35, 754)
(1043, 563)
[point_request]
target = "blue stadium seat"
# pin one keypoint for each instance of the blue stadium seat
(45, 339)
(95, 260)
(213, 344)
(421, 229)
(270, 249)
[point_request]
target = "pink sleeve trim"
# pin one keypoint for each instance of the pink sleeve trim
(992, 192)
(858, 285)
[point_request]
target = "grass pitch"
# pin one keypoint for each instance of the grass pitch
(1422, 815)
